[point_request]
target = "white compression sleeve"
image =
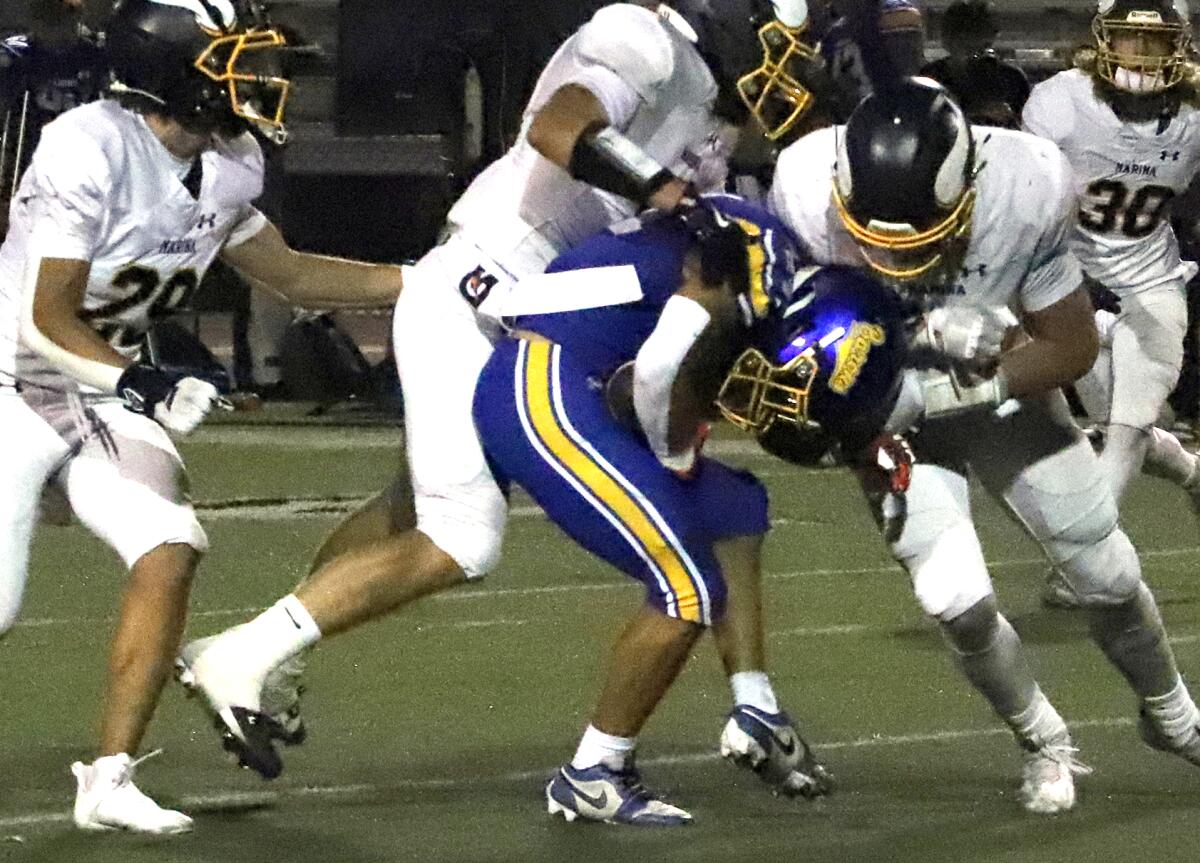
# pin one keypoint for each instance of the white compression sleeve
(657, 365)
(90, 373)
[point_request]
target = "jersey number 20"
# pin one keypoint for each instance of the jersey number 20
(149, 295)
(1109, 207)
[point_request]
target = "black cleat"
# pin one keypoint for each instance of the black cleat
(247, 735)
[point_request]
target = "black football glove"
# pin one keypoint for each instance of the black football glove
(1104, 299)
(177, 399)
(722, 245)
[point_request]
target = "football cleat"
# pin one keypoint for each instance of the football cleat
(107, 799)
(1185, 744)
(600, 793)
(1057, 593)
(1048, 778)
(768, 744)
(280, 695)
(233, 701)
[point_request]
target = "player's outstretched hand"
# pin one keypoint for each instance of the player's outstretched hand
(177, 400)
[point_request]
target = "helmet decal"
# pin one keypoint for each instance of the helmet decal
(213, 15)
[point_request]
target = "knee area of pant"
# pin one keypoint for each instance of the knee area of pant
(976, 629)
(1105, 572)
(475, 548)
(948, 573)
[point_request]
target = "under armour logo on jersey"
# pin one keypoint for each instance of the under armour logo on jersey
(977, 269)
(208, 220)
(1168, 156)
(476, 285)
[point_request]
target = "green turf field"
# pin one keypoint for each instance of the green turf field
(430, 733)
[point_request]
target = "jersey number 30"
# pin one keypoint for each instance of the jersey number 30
(149, 295)
(1109, 206)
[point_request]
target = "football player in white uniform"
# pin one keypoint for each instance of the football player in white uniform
(1129, 124)
(125, 205)
(631, 112)
(974, 222)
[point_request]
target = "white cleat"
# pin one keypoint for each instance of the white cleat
(232, 694)
(1048, 779)
(1184, 742)
(107, 799)
(279, 697)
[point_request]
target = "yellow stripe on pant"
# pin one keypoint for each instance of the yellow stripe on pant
(595, 479)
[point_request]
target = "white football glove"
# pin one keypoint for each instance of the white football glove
(186, 405)
(933, 394)
(969, 333)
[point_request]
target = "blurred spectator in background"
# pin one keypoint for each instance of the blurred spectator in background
(54, 64)
(990, 90)
(901, 26)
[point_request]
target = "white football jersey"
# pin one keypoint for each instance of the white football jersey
(1126, 175)
(1018, 254)
(655, 88)
(102, 188)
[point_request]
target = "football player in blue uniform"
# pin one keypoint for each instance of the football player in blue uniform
(624, 477)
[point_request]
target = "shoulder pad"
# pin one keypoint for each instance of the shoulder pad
(630, 41)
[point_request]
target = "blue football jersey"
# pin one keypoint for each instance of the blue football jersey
(655, 247)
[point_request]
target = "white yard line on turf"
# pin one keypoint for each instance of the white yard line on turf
(615, 584)
(216, 800)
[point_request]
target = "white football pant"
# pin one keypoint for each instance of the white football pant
(1141, 353)
(1038, 464)
(440, 350)
(117, 470)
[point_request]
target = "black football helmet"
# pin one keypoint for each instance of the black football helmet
(756, 53)
(1142, 45)
(211, 65)
(833, 357)
(904, 182)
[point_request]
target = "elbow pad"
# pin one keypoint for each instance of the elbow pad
(604, 158)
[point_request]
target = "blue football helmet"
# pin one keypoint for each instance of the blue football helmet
(833, 357)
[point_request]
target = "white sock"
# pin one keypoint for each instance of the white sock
(1039, 723)
(1167, 458)
(596, 747)
(279, 633)
(1175, 713)
(754, 688)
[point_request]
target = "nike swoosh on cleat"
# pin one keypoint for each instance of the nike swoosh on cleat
(292, 619)
(599, 801)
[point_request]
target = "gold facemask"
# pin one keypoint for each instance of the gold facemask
(1141, 71)
(775, 97)
(902, 253)
(246, 64)
(756, 393)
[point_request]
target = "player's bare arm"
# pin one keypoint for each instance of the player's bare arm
(563, 126)
(51, 325)
(1062, 347)
(315, 281)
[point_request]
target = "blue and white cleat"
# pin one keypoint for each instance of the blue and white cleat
(600, 793)
(768, 744)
